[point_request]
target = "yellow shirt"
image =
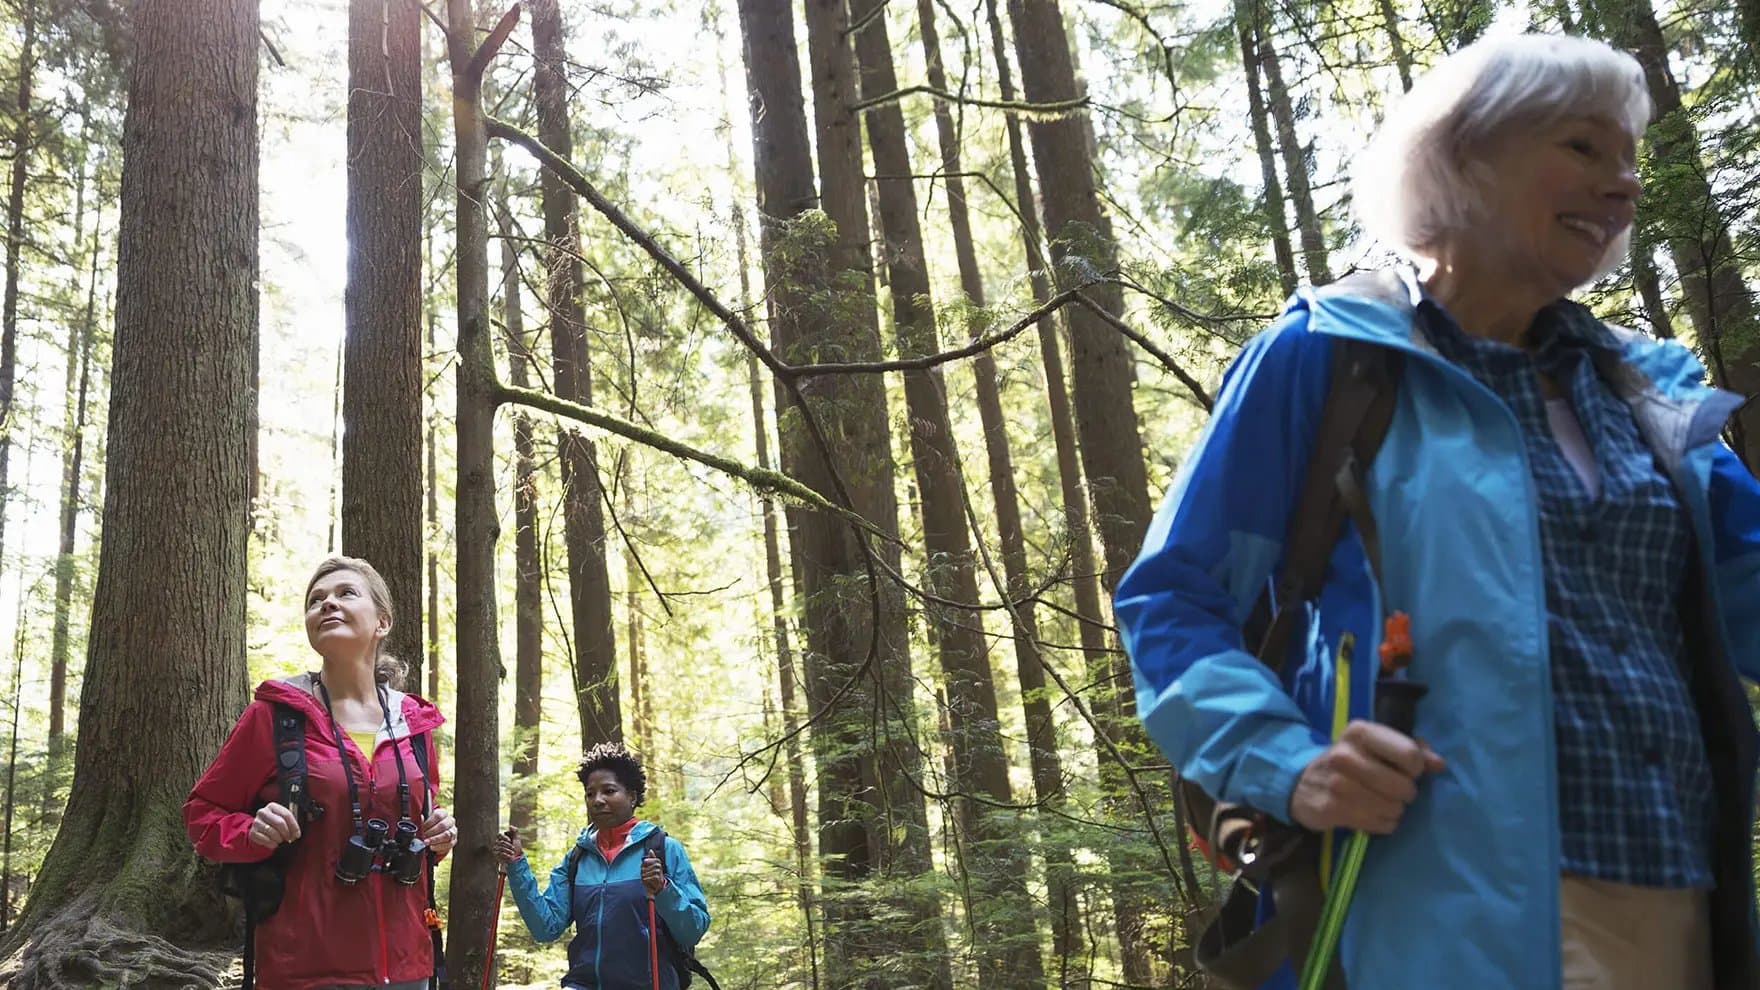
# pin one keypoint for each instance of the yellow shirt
(364, 740)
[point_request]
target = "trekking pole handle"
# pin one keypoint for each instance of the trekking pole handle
(1396, 703)
(501, 864)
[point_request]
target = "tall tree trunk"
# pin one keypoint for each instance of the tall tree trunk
(73, 426)
(476, 783)
(186, 329)
(1684, 215)
(17, 701)
(528, 661)
(1110, 445)
(786, 677)
(23, 143)
(1247, 16)
(1047, 766)
(382, 374)
(433, 556)
(1004, 931)
(836, 580)
(1295, 157)
(589, 578)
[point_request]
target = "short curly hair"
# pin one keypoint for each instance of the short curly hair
(623, 764)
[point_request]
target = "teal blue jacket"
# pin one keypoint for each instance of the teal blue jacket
(610, 911)
(1465, 892)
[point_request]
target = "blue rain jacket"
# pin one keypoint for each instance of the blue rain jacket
(1465, 893)
(610, 911)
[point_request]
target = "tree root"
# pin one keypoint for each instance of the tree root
(78, 949)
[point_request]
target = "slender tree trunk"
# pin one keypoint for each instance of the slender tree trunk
(1295, 158)
(186, 329)
(476, 783)
(528, 569)
(1649, 285)
(1006, 937)
(836, 579)
(786, 678)
(12, 762)
(23, 144)
(1247, 15)
(73, 425)
(433, 489)
(589, 578)
(1402, 59)
(1684, 215)
(896, 816)
(382, 374)
(1042, 752)
(1107, 436)
(641, 699)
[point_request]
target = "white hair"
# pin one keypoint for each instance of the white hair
(1415, 184)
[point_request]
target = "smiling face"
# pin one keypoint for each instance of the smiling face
(609, 803)
(341, 616)
(1558, 200)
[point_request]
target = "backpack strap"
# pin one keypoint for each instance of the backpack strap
(1354, 419)
(290, 759)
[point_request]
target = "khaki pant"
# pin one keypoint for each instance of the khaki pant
(1620, 937)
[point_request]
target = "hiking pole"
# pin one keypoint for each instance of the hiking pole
(653, 937)
(1396, 706)
(495, 915)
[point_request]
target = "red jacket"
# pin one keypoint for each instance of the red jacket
(325, 933)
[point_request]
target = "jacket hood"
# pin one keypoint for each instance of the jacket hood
(1357, 306)
(414, 715)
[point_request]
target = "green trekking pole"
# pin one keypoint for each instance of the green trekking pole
(1396, 706)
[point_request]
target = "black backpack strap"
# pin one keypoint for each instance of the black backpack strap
(1353, 422)
(1354, 419)
(290, 759)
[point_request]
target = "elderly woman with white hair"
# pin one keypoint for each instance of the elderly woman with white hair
(1572, 554)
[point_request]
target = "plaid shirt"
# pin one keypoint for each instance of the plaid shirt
(1634, 782)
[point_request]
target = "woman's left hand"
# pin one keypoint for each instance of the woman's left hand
(440, 832)
(653, 874)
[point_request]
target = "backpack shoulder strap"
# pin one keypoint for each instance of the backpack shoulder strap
(290, 758)
(1353, 421)
(655, 842)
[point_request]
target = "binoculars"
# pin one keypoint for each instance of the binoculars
(401, 857)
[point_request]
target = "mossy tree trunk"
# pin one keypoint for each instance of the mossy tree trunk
(165, 665)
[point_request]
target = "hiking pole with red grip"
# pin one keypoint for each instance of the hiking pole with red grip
(653, 933)
(1396, 706)
(495, 915)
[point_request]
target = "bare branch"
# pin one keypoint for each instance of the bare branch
(769, 482)
(1146, 344)
(1033, 110)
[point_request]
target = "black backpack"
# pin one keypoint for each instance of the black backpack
(683, 961)
(259, 886)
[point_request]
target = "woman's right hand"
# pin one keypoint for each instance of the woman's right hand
(507, 846)
(1363, 781)
(274, 824)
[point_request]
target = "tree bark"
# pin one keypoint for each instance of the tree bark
(1402, 59)
(528, 569)
(858, 841)
(382, 370)
(1295, 158)
(174, 540)
(1106, 437)
(641, 698)
(476, 783)
(589, 578)
(23, 143)
(1006, 939)
(1247, 16)
(1683, 214)
(1046, 764)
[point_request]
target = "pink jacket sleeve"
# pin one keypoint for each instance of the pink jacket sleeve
(219, 810)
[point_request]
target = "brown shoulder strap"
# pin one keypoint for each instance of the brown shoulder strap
(1354, 420)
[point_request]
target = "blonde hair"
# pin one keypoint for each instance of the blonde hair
(387, 669)
(1415, 185)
